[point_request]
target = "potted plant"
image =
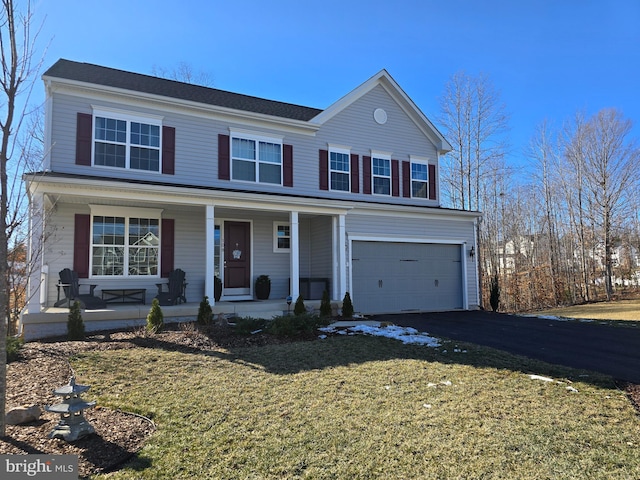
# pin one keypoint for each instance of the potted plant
(217, 292)
(263, 287)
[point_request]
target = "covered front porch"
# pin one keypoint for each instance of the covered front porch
(230, 235)
(52, 321)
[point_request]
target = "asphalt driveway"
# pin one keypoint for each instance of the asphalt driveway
(613, 350)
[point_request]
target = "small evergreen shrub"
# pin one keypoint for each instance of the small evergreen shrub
(14, 344)
(299, 307)
(155, 318)
(205, 313)
(294, 325)
(347, 306)
(248, 325)
(325, 305)
(494, 294)
(75, 324)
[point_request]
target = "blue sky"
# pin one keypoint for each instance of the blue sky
(547, 58)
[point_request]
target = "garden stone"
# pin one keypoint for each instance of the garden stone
(23, 414)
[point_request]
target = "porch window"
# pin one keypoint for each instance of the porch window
(281, 237)
(339, 170)
(125, 141)
(124, 246)
(419, 179)
(381, 175)
(256, 159)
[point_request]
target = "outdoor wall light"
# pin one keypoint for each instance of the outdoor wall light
(472, 252)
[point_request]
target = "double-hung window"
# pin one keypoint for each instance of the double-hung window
(125, 243)
(339, 163)
(256, 159)
(281, 237)
(381, 174)
(128, 141)
(419, 178)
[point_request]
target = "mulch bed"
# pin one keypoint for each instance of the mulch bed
(44, 366)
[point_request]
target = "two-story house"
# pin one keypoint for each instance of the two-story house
(143, 175)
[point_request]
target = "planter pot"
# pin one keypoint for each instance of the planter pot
(263, 288)
(217, 293)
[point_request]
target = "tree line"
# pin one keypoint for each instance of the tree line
(561, 219)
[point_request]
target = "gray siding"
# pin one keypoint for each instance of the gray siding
(196, 160)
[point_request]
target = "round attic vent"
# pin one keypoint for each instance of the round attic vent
(380, 116)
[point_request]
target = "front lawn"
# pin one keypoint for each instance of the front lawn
(355, 407)
(624, 310)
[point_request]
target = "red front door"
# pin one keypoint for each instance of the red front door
(237, 258)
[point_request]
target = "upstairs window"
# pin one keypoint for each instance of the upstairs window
(339, 162)
(124, 141)
(419, 179)
(381, 175)
(255, 159)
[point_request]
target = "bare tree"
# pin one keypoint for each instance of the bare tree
(611, 164)
(184, 72)
(16, 82)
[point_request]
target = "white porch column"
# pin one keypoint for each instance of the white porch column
(341, 257)
(294, 255)
(38, 275)
(209, 281)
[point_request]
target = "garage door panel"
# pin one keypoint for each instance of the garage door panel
(396, 276)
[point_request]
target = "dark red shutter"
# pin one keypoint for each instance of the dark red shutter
(324, 170)
(81, 244)
(167, 246)
(224, 170)
(406, 179)
(83, 139)
(366, 175)
(287, 165)
(432, 182)
(168, 150)
(395, 178)
(355, 173)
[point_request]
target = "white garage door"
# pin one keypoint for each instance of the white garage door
(395, 277)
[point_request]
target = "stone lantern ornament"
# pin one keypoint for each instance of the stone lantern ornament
(72, 425)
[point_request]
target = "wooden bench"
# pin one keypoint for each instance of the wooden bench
(125, 295)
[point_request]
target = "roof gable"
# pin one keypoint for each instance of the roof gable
(387, 82)
(110, 77)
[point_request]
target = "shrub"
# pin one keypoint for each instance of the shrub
(494, 295)
(205, 313)
(75, 324)
(248, 325)
(155, 318)
(293, 325)
(347, 306)
(299, 307)
(325, 305)
(14, 344)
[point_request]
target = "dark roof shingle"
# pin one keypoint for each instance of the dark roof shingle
(111, 77)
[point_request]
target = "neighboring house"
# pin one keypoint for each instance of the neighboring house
(144, 175)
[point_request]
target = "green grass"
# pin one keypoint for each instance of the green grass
(363, 408)
(620, 310)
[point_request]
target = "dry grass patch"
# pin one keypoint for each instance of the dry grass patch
(626, 310)
(365, 407)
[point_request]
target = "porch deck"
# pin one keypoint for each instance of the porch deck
(53, 321)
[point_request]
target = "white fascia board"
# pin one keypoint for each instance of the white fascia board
(99, 189)
(384, 79)
(91, 91)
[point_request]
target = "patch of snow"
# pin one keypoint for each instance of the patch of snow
(572, 390)
(426, 405)
(539, 377)
(406, 335)
(322, 337)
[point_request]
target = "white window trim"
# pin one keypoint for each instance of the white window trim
(382, 156)
(343, 150)
(256, 137)
(422, 161)
(128, 117)
(126, 213)
(277, 224)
